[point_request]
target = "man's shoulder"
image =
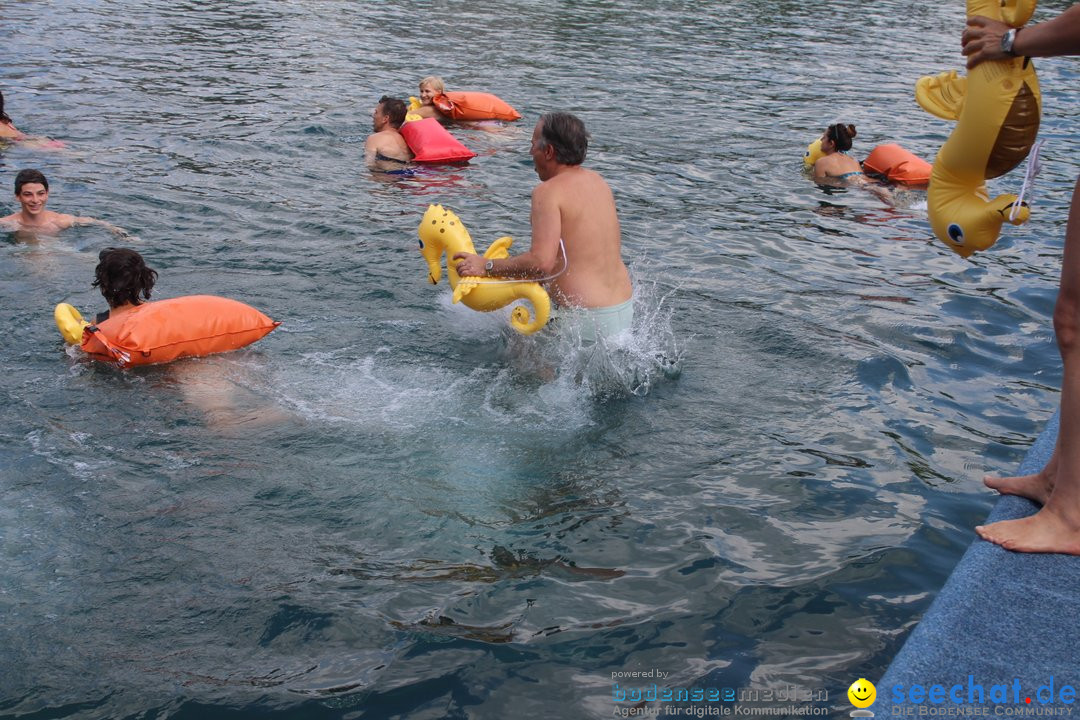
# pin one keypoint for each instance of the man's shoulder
(573, 182)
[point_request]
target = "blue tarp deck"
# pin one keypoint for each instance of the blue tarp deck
(1005, 629)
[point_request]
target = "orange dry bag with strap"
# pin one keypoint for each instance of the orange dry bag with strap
(896, 164)
(165, 330)
(474, 106)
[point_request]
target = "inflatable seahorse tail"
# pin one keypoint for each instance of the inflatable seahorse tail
(521, 319)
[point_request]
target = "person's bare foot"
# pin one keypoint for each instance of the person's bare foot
(1035, 487)
(1044, 532)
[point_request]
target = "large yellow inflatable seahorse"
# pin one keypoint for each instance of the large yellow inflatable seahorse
(997, 109)
(442, 231)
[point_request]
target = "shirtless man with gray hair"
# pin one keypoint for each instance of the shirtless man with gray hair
(572, 209)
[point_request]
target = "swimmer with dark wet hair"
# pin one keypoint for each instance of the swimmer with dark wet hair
(123, 278)
(385, 148)
(836, 166)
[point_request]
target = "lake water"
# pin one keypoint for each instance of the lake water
(390, 507)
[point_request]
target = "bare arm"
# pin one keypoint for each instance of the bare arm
(371, 150)
(1059, 36)
(117, 231)
(541, 258)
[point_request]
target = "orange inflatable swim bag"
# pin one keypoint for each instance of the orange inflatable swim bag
(896, 164)
(191, 326)
(431, 143)
(474, 106)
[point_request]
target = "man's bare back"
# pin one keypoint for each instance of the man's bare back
(577, 206)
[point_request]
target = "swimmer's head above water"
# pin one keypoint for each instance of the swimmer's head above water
(565, 134)
(837, 138)
(123, 276)
(388, 110)
(431, 86)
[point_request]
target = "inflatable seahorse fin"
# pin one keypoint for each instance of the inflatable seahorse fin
(499, 249)
(942, 95)
(464, 287)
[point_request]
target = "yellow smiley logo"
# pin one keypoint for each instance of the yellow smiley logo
(862, 693)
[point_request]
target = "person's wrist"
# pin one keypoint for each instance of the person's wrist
(489, 266)
(1008, 40)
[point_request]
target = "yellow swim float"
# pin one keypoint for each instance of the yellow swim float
(69, 322)
(441, 231)
(997, 108)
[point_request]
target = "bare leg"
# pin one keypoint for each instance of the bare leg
(1056, 527)
(1035, 487)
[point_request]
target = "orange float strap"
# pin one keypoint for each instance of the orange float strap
(431, 143)
(896, 164)
(164, 330)
(474, 106)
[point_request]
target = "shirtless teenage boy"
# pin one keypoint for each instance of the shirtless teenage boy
(32, 192)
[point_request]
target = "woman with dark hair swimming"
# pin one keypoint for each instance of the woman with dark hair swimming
(836, 166)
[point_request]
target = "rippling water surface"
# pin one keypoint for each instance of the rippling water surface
(388, 507)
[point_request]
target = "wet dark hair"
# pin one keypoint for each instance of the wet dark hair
(567, 134)
(122, 276)
(394, 108)
(3, 115)
(841, 136)
(29, 176)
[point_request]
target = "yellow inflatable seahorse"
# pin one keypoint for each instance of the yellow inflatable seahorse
(997, 109)
(442, 231)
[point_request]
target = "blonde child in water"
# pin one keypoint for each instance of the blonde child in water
(429, 88)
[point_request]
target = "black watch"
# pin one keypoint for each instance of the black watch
(1007, 41)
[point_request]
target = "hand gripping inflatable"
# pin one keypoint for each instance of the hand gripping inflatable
(997, 109)
(165, 330)
(442, 231)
